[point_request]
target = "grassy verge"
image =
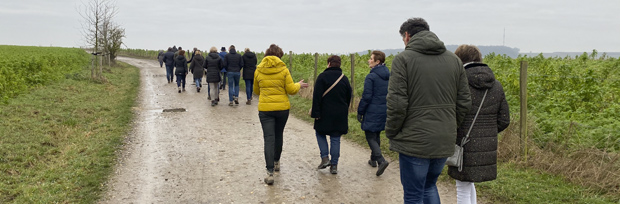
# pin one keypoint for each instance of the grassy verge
(58, 142)
(515, 184)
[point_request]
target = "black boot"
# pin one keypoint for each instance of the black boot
(382, 166)
(333, 169)
(324, 163)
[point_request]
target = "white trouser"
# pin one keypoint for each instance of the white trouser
(465, 192)
(214, 90)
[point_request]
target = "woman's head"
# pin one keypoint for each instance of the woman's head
(247, 49)
(333, 61)
(376, 57)
(197, 52)
(181, 52)
(274, 50)
(468, 53)
(213, 50)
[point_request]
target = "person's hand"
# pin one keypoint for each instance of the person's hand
(303, 85)
(360, 118)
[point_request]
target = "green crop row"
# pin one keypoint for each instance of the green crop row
(22, 68)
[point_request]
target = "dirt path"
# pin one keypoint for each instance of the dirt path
(215, 155)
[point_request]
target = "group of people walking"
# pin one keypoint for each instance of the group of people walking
(217, 67)
(430, 101)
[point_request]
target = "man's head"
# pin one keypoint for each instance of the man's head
(180, 48)
(223, 49)
(231, 48)
(468, 53)
(333, 61)
(274, 50)
(169, 49)
(411, 27)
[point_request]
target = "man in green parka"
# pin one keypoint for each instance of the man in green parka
(427, 99)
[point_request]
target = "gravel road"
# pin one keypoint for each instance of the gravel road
(215, 155)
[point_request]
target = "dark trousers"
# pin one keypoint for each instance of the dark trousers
(223, 82)
(273, 123)
(181, 80)
(374, 142)
(249, 88)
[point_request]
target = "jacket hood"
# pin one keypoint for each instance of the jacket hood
(271, 65)
(382, 71)
(249, 54)
(426, 42)
(214, 55)
(233, 51)
(479, 75)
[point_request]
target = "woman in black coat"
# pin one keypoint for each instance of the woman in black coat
(330, 109)
(480, 152)
(196, 67)
(180, 62)
(249, 67)
(213, 66)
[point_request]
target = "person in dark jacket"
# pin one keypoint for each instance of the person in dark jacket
(169, 61)
(223, 54)
(371, 111)
(181, 70)
(428, 97)
(480, 152)
(193, 54)
(177, 52)
(174, 49)
(213, 66)
(196, 67)
(160, 58)
(330, 109)
(249, 67)
(233, 63)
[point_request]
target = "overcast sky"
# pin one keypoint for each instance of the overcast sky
(324, 26)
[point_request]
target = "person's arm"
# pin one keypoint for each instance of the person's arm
(503, 116)
(255, 87)
(463, 97)
(397, 98)
(241, 63)
(291, 87)
(317, 96)
(366, 96)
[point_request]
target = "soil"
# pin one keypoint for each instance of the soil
(204, 154)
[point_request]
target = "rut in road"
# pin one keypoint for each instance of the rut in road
(215, 155)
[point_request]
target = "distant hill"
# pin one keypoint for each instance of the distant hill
(572, 54)
(485, 50)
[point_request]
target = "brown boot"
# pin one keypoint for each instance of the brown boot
(324, 163)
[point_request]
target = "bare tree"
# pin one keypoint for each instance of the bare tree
(97, 26)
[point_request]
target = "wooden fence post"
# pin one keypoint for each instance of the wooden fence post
(523, 113)
(316, 61)
(290, 61)
(352, 81)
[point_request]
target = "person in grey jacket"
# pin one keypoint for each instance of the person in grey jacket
(160, 58)
(480, 152)
(428, 97)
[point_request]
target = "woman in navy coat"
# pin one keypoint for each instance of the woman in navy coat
(371, 112)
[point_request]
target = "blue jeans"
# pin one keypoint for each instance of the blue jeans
(181, 80)
(233, 85)
(419, 178)
(198, 80)
(324, 147)
(169, 72)
(249, 85)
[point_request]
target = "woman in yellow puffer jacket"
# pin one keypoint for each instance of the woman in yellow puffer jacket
(273, 83)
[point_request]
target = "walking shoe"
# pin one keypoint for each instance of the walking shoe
(230, 104)
(198, 89)
(249, 102)
(213, 103)
(269, 179)
(382, 167)
(276, 166)
(333, 169)
(179, 89)
(183, 89)
(209, 98)
(324, 163)
(372, 163)
(236, 99)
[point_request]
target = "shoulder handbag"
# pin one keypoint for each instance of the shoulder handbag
(456, 160)
(327, 91)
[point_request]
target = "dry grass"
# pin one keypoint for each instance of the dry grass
(593, 168)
